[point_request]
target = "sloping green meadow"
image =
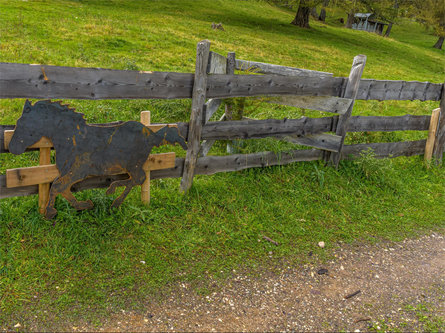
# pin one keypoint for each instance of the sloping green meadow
(93, 262)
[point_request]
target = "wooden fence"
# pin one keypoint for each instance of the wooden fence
(213, 80)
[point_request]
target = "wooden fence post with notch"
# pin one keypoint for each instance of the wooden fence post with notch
(145, 187)
(196, 117)
(217, 65)
(351, 90)
(439, 142)
(44, 159)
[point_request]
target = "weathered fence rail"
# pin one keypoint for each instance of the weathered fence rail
(213, 80)
(256, 129)
(42, 81)
(209, 165)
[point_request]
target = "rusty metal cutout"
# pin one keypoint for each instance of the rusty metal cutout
(85, 150)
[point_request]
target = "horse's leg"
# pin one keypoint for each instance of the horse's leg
(62, 185)
(50, 211)
(79, 205)
(136, 178)
(128, 183)
(115, 184)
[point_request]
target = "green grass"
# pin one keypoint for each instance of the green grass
(89, 263)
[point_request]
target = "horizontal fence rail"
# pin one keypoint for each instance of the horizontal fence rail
(42, 81)
(213, 164)
(255, 129)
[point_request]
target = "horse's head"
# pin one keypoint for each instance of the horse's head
(44, 118)
(170, 135)
(27, 131)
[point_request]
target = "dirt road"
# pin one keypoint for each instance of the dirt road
(397, 285)
(383, 287)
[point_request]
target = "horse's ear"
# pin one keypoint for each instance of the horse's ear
(27, 106)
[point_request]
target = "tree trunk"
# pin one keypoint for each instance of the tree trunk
(302, 17)
(314, 13)
(322, 16)
(388, 30)
(439, 43)
(350, 20)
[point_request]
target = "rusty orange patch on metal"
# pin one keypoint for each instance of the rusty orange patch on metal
(145, 131)
(44, 75)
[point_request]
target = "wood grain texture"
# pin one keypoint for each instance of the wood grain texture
(323, 141)
(44, 159)
(41, 81)
(31, 175)
(231, 63)
(322, 103)
(432, 131)
(47, 173)
(208, 143)
(388, 123)
(269, 127)
(196, 117)
(260, 67)
(217, 63)
(256, 129)
(386, 149)
(6, 192)
(145, 186)
(351, 91)
(210, 107)
(29, 81)
(382, 90)
(223, 86)
(439, 142)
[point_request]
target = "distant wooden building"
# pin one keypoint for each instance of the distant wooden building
(367, 22)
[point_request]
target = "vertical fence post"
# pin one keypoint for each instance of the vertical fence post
(432, 131)
(216, 67)
(350, 92)
(196, 117)
(231, 63)
(439, 142)
(44, 159)
(145, 187)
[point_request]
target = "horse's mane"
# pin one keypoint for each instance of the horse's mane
(61, 109)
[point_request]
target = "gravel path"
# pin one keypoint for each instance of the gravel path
(401, 285)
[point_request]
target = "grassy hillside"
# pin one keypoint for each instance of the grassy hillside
(98, 261)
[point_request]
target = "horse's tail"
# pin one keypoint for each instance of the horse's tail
(168, 135)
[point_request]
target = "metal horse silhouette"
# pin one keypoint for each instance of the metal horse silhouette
(88, 150)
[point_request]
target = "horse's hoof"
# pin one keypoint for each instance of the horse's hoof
(110, 190)
(81, 205)
(50, 212)
(116, 204)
